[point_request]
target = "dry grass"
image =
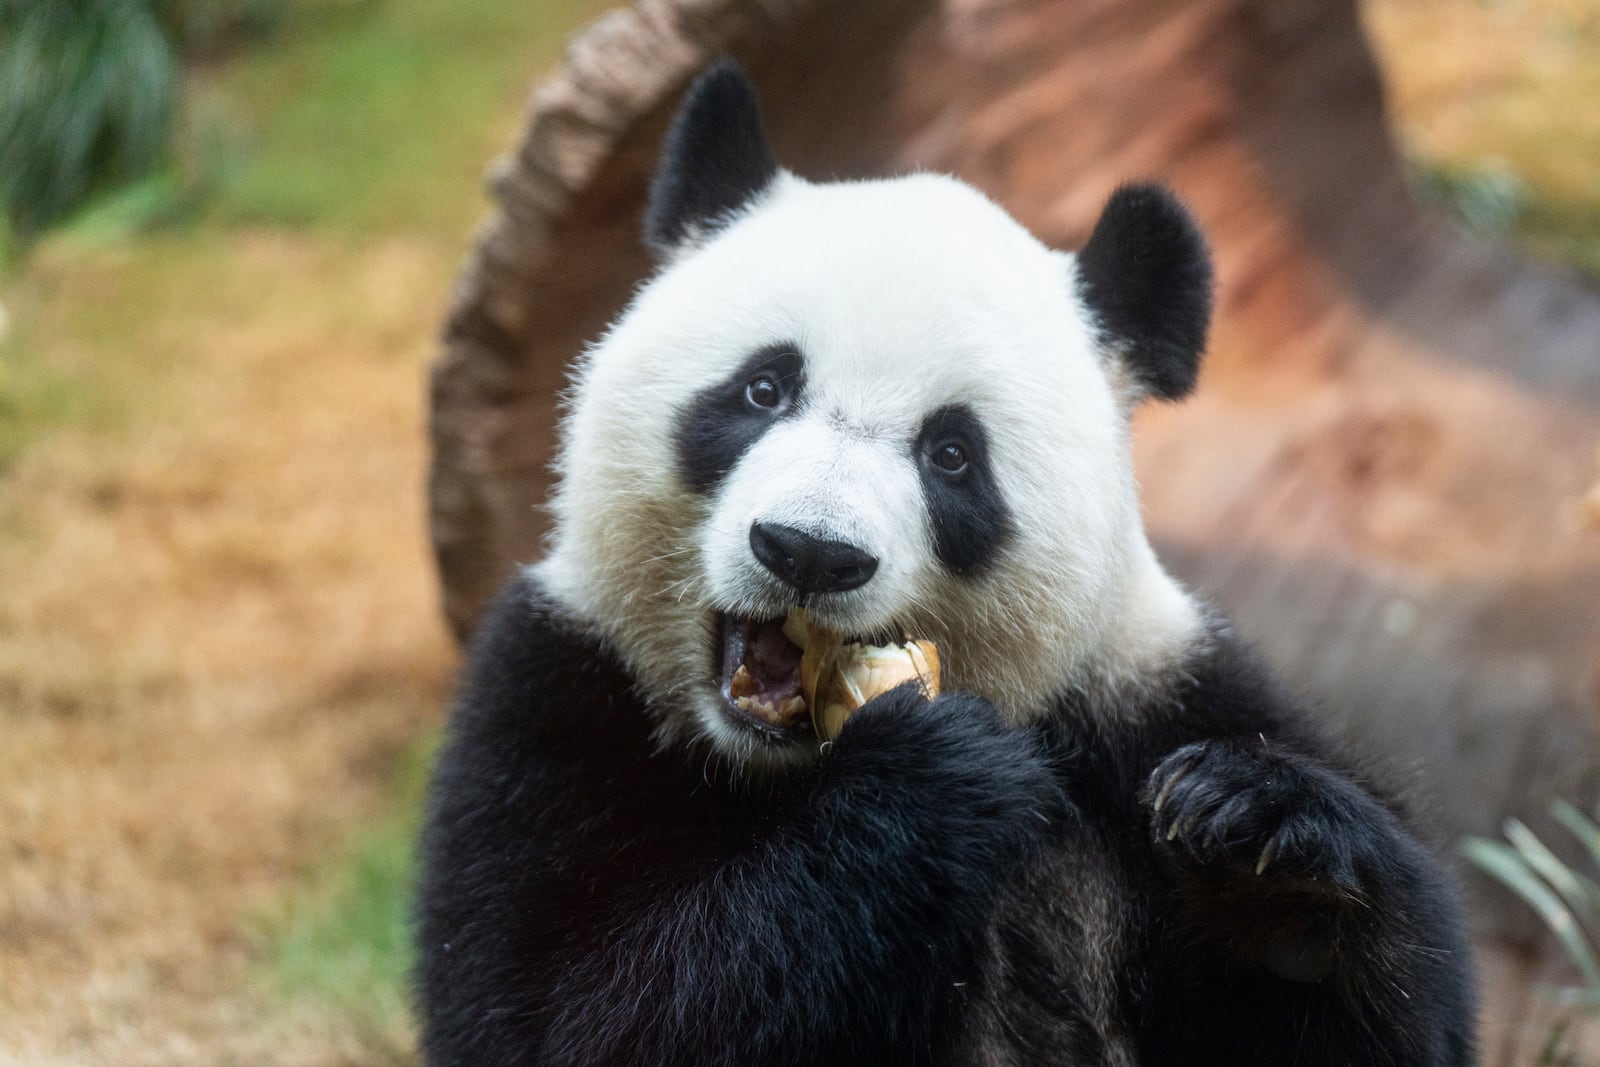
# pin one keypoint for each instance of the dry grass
(1496, 78)
(218, 630)
(1504, 86)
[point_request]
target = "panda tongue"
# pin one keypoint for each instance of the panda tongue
(773, 661)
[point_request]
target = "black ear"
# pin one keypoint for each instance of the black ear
(1146, 276)
(715, 159)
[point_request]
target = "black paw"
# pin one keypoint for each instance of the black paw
(905, 715)
(954, 753)
(1232, 810)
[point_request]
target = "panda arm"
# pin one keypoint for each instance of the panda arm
(845, 934)
(1295, 866)
(579, 905)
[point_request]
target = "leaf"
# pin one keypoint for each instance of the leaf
(1581, 826)
(1581, 895)
(1508, 865)
(1549, 1055)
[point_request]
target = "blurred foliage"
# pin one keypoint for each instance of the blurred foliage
(89, 102)
(358, 119)
(1567, 901)
(1488, 195)
(1495, 103)
(88, 92)
(1492, 197)
(1564, 229)
(208, 27)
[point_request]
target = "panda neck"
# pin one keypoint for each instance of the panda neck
(1151, 632)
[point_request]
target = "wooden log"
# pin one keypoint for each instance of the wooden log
(1380, 476)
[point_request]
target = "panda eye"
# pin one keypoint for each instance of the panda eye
(763, 391)
(950, 459)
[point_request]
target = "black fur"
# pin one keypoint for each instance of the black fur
(720, 423)
(1146, 274)
(937, 889)
(1346, 950)
(971, 523)
(588, 899)
(715, 159)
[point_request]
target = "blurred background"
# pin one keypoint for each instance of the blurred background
(231, 233)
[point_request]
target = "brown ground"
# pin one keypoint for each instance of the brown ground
(217, 629)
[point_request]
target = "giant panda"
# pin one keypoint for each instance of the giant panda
(1115, 839)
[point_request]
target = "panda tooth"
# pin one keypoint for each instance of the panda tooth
(742, 684)
(797, 628)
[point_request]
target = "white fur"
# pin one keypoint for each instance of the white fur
(903, 296)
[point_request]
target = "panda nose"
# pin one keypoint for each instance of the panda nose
(811, 564)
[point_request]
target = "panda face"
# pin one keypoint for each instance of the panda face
(883, 401)
(893, 371)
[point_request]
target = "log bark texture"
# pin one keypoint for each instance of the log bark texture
(1380, 477)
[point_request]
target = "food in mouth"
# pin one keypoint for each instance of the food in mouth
(837, 677)
(775, 671)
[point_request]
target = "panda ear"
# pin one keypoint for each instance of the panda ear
(1146, 277)
(715, 160)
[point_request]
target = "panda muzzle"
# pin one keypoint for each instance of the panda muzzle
(775, 671)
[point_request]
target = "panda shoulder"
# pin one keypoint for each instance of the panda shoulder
(1228, 689)
(1216, 685)
(538, 676)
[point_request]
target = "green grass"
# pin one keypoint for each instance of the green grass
(34, 398)
(1563, 229)
(353, 119)
(366, 117)
(1566, 898)
(89, 341)
(339, 951)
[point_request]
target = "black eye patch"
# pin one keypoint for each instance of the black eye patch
(970, 520)
(721, 423)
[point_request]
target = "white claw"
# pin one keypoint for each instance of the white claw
(1166, 791)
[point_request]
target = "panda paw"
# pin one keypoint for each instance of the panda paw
(1229, 810)
(904, 716)
(956, 754)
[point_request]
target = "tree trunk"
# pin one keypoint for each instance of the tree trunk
(1380, 476)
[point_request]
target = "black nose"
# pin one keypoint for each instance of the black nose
(808, 563)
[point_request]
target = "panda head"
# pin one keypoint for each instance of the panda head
(884, 401)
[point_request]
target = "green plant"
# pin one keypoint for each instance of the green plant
(1565, 899)
(1487, 195)
(88, 91)
(206, 27)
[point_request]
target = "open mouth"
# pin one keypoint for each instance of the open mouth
(764, 668)
(761, 675)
